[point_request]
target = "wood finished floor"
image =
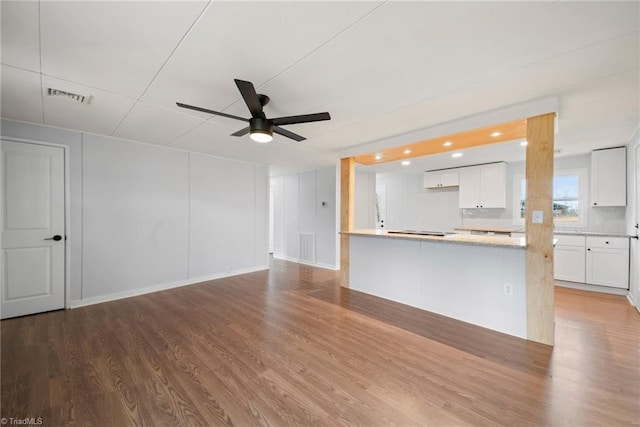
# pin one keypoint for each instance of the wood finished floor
(289, 346)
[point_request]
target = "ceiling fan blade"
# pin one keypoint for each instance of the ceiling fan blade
(304, 118)
(288, 134)
(250, 97)
(241, 132)
(204, 110)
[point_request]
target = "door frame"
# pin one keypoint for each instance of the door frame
(272, 219)
(634, 279)
(67, 209)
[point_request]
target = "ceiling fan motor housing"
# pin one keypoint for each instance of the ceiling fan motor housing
(257, 124)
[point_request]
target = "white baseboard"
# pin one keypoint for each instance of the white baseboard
(319, 264)
(312, 264)
(591, 288)
(156, 288)
(285, 258)
(631, 301)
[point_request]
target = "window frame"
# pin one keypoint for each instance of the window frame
(583, 194)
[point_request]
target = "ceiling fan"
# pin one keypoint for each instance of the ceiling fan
(260, 128)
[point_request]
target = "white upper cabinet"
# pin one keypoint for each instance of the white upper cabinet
(441, 178)
(469, 195)
(483, 186)
(609, 177)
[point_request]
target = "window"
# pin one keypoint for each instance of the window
(569, 198)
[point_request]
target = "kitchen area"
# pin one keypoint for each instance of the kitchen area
(448, 230)
(590, 202)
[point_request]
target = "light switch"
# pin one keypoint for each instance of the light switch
(537, 217)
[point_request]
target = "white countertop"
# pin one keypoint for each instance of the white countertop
(465, 239)
(558, 231)
(589, 233)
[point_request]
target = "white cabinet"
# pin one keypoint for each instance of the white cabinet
(569, 258)
(608, 261)
(483, 186)
(469, 194)
(609, 177)
(441, 179)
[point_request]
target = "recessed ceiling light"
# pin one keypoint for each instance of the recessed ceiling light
(407, 151)
(456, 155)
(378, 156)
(448, 144)
(406, 163)
(523, 143)
(496, 134)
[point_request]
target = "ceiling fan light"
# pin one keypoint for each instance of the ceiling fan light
(261, 136)
(260, 130)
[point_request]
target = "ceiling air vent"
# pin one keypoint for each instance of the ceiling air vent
(69, 95)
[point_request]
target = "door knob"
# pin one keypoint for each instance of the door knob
(57, 238)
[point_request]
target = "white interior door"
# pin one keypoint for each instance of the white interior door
(33, 232)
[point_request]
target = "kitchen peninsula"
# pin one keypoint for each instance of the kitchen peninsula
(474, 278)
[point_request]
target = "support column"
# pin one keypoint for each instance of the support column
(347, 205)
(539, 228)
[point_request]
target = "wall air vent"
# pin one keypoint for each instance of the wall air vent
(69, 95)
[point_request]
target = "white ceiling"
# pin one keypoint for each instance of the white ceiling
(380, 68)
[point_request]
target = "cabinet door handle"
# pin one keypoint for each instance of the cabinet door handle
(595, 204)
(588, 249)
(607, 243)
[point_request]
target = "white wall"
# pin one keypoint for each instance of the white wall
(326, 219)
(145, 217)
(299, 209)
(135, 216)
(228, 215)
(435, 210)
(364, 201)
(410, 206)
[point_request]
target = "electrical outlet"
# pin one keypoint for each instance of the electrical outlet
(508, 289)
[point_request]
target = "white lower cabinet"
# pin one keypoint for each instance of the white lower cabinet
(594, 260)
(569, 258)
(607, 261)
